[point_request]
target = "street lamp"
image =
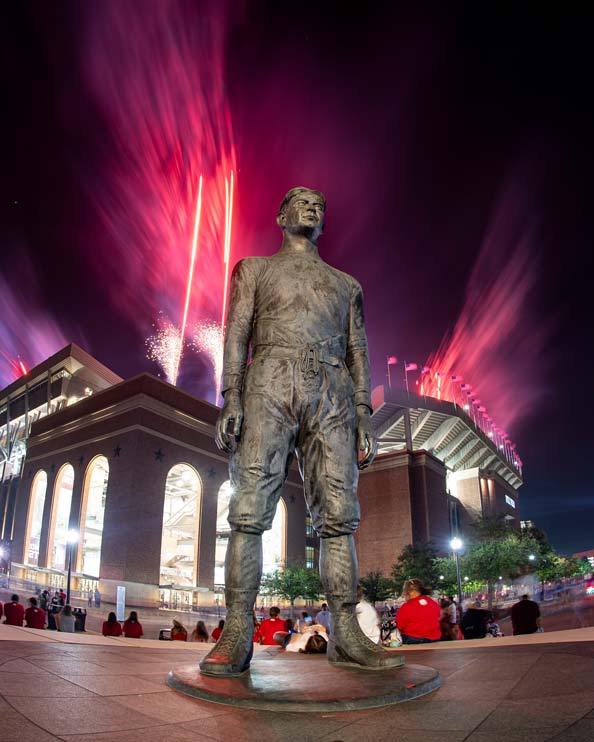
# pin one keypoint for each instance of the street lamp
(531, 557)
(456, 545)
(71, 539)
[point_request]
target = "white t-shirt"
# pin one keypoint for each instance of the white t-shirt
(368, 621)
(323, 617)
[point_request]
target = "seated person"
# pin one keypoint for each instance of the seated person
(300, 642)
(178, 631)
(112, 626)
(216, 633)
(418, 617)
(271, 626)
(474, 621)
(367, 617)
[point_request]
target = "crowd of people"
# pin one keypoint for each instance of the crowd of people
(419, 619)
(44, 612)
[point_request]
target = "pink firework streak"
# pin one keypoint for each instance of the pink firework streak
(494, 357)
(156, 70)
(28, 334)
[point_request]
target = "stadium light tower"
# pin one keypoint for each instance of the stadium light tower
(457, 545)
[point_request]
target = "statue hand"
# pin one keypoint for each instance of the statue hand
(366, 440)
(232, 412)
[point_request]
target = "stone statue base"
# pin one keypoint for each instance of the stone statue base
(285, 681)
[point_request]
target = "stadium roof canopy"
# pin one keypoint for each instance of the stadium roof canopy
(406, 420)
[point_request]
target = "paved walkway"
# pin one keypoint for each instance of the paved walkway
(77, 687)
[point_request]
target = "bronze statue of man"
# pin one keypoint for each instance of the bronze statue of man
(306, 391)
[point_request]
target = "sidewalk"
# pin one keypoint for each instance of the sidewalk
(83, 687)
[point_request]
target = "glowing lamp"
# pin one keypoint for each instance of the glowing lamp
(72, 536)
(456, 544)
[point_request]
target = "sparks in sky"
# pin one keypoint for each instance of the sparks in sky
(164, 348)
(208, 338)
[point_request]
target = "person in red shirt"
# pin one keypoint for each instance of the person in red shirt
(270, 626)
(132, 626)
(112, 626)
(178, 632)
(34, 616)
(14, 613)
(418, 618)
(216, 633)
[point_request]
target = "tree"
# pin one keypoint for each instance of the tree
(291, 582)
(446, 568)
(376, 587)
(489, 559)
(415, 561)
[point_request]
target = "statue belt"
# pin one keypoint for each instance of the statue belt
(309, 356)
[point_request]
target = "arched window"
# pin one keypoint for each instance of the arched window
(92, 514)
(35, 518)
(223, 532)
(179, 543)
(273, 541)
(62, 501)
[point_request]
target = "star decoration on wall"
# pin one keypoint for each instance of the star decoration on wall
(81, 460)
(116, 452)
(211, 472)
(159, 455)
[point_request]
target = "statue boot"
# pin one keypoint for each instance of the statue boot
(232, 654)
(347, 644)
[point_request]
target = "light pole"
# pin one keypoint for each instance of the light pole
(71, 539)
(456, 545)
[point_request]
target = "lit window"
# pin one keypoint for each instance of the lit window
(179, 544)
(36, 505)
(309, 557)
(510, 501)
(92, 516)
(60, 517)
(309, 531)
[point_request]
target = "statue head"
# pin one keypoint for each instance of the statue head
(302, 212)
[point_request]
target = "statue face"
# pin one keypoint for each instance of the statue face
(304, 214)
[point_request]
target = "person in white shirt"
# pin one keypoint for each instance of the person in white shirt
(323, 617)
(368, 619)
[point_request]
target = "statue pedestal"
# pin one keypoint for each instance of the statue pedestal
(286, 681)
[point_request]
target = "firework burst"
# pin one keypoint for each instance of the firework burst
(208, 338)
(164, 348)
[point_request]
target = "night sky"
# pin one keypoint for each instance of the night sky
(455, 149)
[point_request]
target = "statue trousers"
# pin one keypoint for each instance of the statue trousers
(292, 405)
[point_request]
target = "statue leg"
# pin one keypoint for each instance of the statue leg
(232, 653)
(347, 643)
(330, 475)
(258, 470)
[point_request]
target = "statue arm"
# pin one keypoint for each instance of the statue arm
(357, 361)
(237, 341)
(239, 326)
(357, 354)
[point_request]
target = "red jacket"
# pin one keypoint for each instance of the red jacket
(15, 613)
(132, 630)
(35, 618)
(111, 629)
(419, 617)
(269, 627)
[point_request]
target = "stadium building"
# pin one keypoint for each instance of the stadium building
(129, 468)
